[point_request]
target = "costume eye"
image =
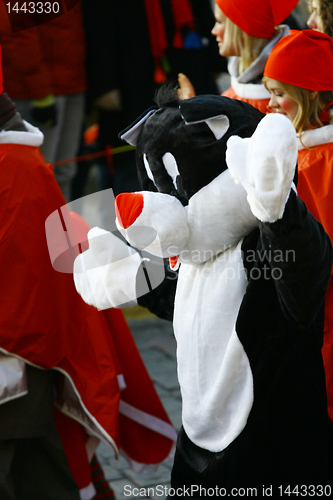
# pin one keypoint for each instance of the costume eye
(171, 167)
(147, 167)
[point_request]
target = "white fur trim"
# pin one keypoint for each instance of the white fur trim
(249, 90)
(264, 165)
(256, 69)
(33, 137)
(315, 137)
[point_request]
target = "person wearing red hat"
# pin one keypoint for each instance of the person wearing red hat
(306, 98)
(246, 32)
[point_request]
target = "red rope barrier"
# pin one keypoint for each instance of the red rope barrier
(108, 152)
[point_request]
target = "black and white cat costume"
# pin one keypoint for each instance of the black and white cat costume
(247, 306)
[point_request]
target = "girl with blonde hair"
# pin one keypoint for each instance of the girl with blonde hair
(306, 98)
(246, 32)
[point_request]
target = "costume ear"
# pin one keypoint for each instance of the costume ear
(131, 133)
(202, 107)
(219, 125)
(209, 109)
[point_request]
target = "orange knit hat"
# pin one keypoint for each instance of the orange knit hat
(257, 17)
(304, 59)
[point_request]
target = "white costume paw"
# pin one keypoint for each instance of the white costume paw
(105, 274)
(264, 165)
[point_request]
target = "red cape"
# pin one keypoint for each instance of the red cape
(314, 187)
(45, 322)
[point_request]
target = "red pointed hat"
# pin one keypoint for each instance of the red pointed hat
(257, 17)
(291, 59)
(1, 76)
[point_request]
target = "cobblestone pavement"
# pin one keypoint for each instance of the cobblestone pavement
(156, 343)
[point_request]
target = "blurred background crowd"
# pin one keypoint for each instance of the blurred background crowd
(100, 65)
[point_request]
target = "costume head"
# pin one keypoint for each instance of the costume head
(181, 145)
(257, 17)
(289, 60)
(181, 159)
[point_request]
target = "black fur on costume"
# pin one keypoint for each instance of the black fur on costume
(168, 130)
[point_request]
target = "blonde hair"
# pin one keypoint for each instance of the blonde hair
(308, 109)
(246, 46)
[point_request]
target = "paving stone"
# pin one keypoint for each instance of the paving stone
(127, 490)
(165, 377)
(152, 356)
(103, 450)
(123, 490)
(156, 343)
(107, 456)
(112, 473)
(158, 492)
(148, 477)
(173, 408)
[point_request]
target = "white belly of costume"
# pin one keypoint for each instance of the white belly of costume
(213, 369)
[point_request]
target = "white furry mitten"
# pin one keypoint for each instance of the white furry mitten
(105, 274)
(264, 165)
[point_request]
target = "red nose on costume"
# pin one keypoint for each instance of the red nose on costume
(128, 208)
(173, 261)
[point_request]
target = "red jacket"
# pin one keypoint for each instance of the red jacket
(46, 59)
(44, 321)
(315, 188)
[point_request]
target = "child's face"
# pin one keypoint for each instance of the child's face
(226, 47)
(280, 102)
(315, 21)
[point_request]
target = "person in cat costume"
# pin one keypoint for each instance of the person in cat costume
(247, 301)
